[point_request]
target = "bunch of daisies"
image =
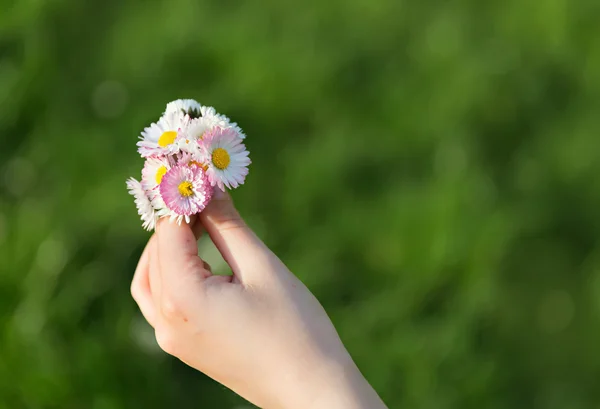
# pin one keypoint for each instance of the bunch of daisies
(189, 152)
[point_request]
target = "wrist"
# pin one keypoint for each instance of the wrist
(344, 387)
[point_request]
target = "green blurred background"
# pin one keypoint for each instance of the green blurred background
(428, 168)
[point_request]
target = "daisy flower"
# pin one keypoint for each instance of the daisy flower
(185, 191)
(215, 119)
(153, 171)
(190, 107)
(225, 156)
(143, 204)
(160, 208)
(190, 151)
(197, 128)
(194, 131)
(161, 138)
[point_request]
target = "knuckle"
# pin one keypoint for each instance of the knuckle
(232, 223)
(229, 218)
(135, 292)
(193, 263)
(170, 308)
(165, 341)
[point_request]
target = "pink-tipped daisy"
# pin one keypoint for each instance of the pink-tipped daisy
(143, 204)
(225, 156)
(162, 137)
(153, 171)
(185, 191)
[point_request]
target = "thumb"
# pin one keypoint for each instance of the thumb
(245, 253)
(177, 254)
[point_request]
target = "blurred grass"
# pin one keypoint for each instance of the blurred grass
(427, 168)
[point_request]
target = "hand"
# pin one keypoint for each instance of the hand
(259, 332)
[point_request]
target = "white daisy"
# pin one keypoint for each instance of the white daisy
(225, 156)
(161, 138)
(197, 128)
(153, 171)
(194, 131)
(213, 118)
(143, 204)
(190, 107)
(160, 208)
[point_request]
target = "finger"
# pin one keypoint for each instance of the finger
(197, 227)
(154, 273)
(245, 253)
(140, 286)
(178, 259)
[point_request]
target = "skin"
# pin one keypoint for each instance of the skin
(259, 332)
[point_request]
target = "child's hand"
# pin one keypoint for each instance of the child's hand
(260, 333)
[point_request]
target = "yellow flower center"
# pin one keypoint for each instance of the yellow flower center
(220, 158)
(167, 138)
(186, 189)
(160, 173)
